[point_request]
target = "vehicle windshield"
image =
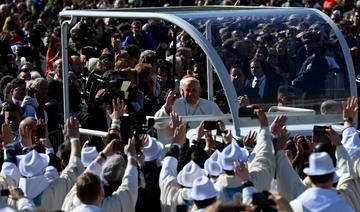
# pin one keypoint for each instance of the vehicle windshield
(278, 57)
(286, 60)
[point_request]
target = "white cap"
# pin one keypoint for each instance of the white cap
(32, 164)
(231, 153)
(88, 154)
(189, 173)
(152, 149)
(320, 163)
(202, 189)
(212, 164)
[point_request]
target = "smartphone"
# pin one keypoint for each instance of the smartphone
(247, 112)
(5, 192)
(319, 134)
(211, 125)
(31, 93)
(40, 130)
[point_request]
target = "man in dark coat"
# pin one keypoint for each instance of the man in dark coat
(312, 74)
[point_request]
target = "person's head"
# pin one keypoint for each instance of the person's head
(5, 80)
(119, 4)
(199, 71)
(272, 56)
(185, 54)
(355, 18)
(17, 89)
(12, 115)
(58, 67)
(30, 124)
(63, 153)
(244, 48)
(330, 107)
(287, 95)
(24, 71)
(134, 53)
(76, 65)
(237, 76)
(89, 183)
(136, 28)
(261, 53)
(144, 71)
(163, 67)
(311, 41)
(280, 47)
(321, 169)
(40, 88)
(190, 89)
(148, 56)
(256, 68)
(54, 43)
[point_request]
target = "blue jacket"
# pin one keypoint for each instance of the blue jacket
(146, 42)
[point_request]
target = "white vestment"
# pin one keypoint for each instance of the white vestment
(182, 108)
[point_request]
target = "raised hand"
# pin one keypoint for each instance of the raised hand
(25, 135)
(283, 140)
(241, 170)
(6, 134)
(170, 100)
(350, 108)
(129, 149)
(180, 134)
(175, 120)
(109, 148)
(200, 131)
(278, 124)
(260, 114)
(250, 139)
(227, 136)
(298, 145)
(118, 108)
(243, 101)
(333, 137)
(72, 128)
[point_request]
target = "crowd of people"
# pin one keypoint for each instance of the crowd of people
(150, 67)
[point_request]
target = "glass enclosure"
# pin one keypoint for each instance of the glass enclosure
(292, 60)
(278, 43)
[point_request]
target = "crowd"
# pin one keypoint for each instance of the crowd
(149, 67)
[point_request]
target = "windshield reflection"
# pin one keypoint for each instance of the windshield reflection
(285, 60)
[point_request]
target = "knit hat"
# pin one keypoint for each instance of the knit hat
(113, 169)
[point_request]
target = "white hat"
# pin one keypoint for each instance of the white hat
(231, 153)
(320, 163)
(88, 154)
(202, 189)
(32, 164)
(12, 171)
(212, 164)
(189, 173)
(152, 149)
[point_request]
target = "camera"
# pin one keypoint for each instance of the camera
(319, 134)
(40, 131)
(247, 112)
(4, 192)
(211, 125)
(135, 125)
(114, 86)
